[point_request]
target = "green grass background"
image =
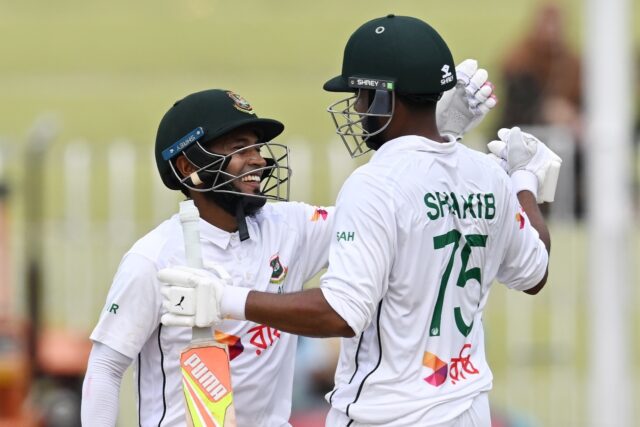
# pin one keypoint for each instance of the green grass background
(110, 69)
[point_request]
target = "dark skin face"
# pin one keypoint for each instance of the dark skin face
(240, 163)
(405, 120)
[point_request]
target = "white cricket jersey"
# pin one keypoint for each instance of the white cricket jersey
(289, 244)
(420, 233)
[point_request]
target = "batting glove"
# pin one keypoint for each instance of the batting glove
(461, 109)
(530, 163)
(199, 297)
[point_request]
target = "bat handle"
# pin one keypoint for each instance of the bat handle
(200, 334)
(190, 218)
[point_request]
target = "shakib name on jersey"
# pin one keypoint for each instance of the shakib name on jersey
(474, 205)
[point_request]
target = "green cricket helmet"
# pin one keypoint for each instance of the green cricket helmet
(196, 120)
(387, 56)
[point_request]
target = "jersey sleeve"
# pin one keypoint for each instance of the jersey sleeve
(101, 386)
(314, 224)
(317, 225)
(525, 258)
(361, 252)
(133, 307)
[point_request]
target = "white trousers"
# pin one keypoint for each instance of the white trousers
(478, 415)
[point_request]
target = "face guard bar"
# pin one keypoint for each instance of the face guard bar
(212, 176)
(356, 128)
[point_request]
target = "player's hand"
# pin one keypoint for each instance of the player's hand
(461, 109)
(530, 163)
(192, 296)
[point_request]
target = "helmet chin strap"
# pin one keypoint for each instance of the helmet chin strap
(246, 205)
(241, 219)
(239, 206)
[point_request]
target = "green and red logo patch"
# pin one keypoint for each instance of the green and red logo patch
(279, 271)
(240, 103)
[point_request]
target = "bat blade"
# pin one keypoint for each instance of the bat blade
(204, 364)
(206, 382)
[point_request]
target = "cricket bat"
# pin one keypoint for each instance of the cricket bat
(206, 374)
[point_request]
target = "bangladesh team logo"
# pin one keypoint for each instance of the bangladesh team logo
(240, 103)
(278, 271)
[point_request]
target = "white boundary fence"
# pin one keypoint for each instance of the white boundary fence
(101, 198)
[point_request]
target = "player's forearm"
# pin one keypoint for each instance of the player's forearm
(530, 206)
(101, 387)
(302, 313)
(100, 407)
(528, 202)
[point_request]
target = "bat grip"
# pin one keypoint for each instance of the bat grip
(190, 218)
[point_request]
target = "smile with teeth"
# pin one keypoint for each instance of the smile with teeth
(250, 178)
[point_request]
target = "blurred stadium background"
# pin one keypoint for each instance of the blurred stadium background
(83, 86)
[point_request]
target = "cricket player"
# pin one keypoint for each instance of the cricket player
(213, 147)
(420, 233)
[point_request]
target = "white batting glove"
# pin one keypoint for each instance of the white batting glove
(192, 296)
(461, 109)
(530, 163)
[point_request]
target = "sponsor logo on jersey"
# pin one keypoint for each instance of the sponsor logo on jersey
(438, 366)
(233, 342)
(319, 213)
(520, 218)
(447, 76)
(240, 103)
(114, 308)
(263, 337)
(347, 236)
(462, 365)
(456, 370)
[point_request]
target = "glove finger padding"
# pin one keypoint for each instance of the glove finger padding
(484, 93)
(524, 152)
(478, 80)
(521, 148)
(177, 275)
(498, 149)
(465, 70)
(191, 293)
(169, 319)
(503, 134)
(488, 105)
(464, 106)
